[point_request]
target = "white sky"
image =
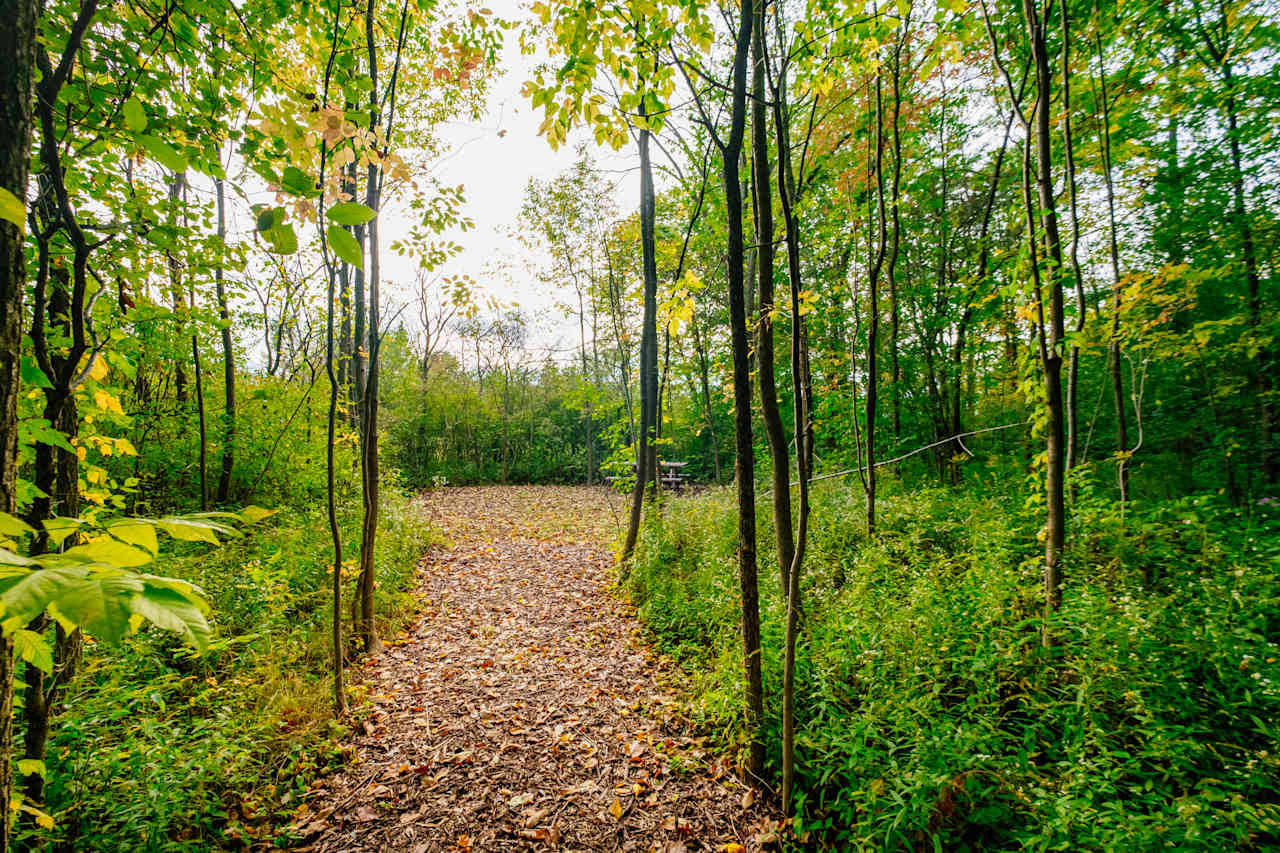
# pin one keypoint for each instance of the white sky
(494, 171)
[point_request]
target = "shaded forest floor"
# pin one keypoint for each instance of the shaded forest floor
(521, 711)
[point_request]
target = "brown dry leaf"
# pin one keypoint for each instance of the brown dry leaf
(522, 666)
(749, 798)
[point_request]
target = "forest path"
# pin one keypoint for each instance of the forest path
(521, 712)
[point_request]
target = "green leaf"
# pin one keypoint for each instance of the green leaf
(60, 527)
(135, 117)
(254, 514)
(27, 593)
(109, 552)
(282, 239)
(31, 766)
(8, 558)
(135, 531)
(186, 589)
(33, 375)
(194, 531)
(350, 213)
(101, 603)
(345, 246)
(270, 218)
(13, 209)
(12, 527)
(298, 182)
(163, 152)
(169, 609)
(32, 648)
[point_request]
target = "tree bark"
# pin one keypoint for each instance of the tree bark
(18, 46)
(744, 463)
(645, 456)
(762, 208)
(228, 354)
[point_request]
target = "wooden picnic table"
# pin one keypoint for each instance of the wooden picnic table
(669, 474)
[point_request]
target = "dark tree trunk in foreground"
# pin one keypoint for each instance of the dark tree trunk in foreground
(17, 45)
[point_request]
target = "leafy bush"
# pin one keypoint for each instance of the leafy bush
(930, 715)
(171, 751)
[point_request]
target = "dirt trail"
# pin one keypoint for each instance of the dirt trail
(521, 712)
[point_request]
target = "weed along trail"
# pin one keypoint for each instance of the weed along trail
(521, 711)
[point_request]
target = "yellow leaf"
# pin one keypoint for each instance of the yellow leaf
(616, 809)
(13, 209)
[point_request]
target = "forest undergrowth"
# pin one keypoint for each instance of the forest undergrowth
(931, 717)
(169, 750)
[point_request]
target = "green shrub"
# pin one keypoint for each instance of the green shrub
(168, 750)
(931, 717)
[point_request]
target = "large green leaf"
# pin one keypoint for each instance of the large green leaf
(282, 239)
(298, 182)
(110, 552)
(135, 117)
(8, 558)
(12, 527)
(190, 530)
(32, 648)
(135, 531)
(101, 603)
(27, 592)
(173, 611)
(60, 527)
(165, 153)
(253, 514)
(351, 213)
(345, 246)
(187, 590)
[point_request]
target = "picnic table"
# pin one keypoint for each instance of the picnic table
(670, 474)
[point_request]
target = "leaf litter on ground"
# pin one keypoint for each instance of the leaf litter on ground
(522, 711)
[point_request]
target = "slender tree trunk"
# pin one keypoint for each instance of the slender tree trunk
(1053, 331)
(228, 354)
(801, 399)
(204, 432)
(1068, 154)
(645, 456)
(873, 318)
(744, 463)
(1114, 352)
(704, 371)
(762, 207)
(894, 312)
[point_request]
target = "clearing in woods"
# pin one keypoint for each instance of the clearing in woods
(521, 711)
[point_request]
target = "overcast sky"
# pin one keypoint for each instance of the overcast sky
(494, 168)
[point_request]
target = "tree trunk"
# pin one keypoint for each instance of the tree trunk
(1114, 353)
(1068, 155)
(1051, 333)
(645, 456)
(228, 355)
(873, 317)
(762, 207)
(744, 463)
(17, 45)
